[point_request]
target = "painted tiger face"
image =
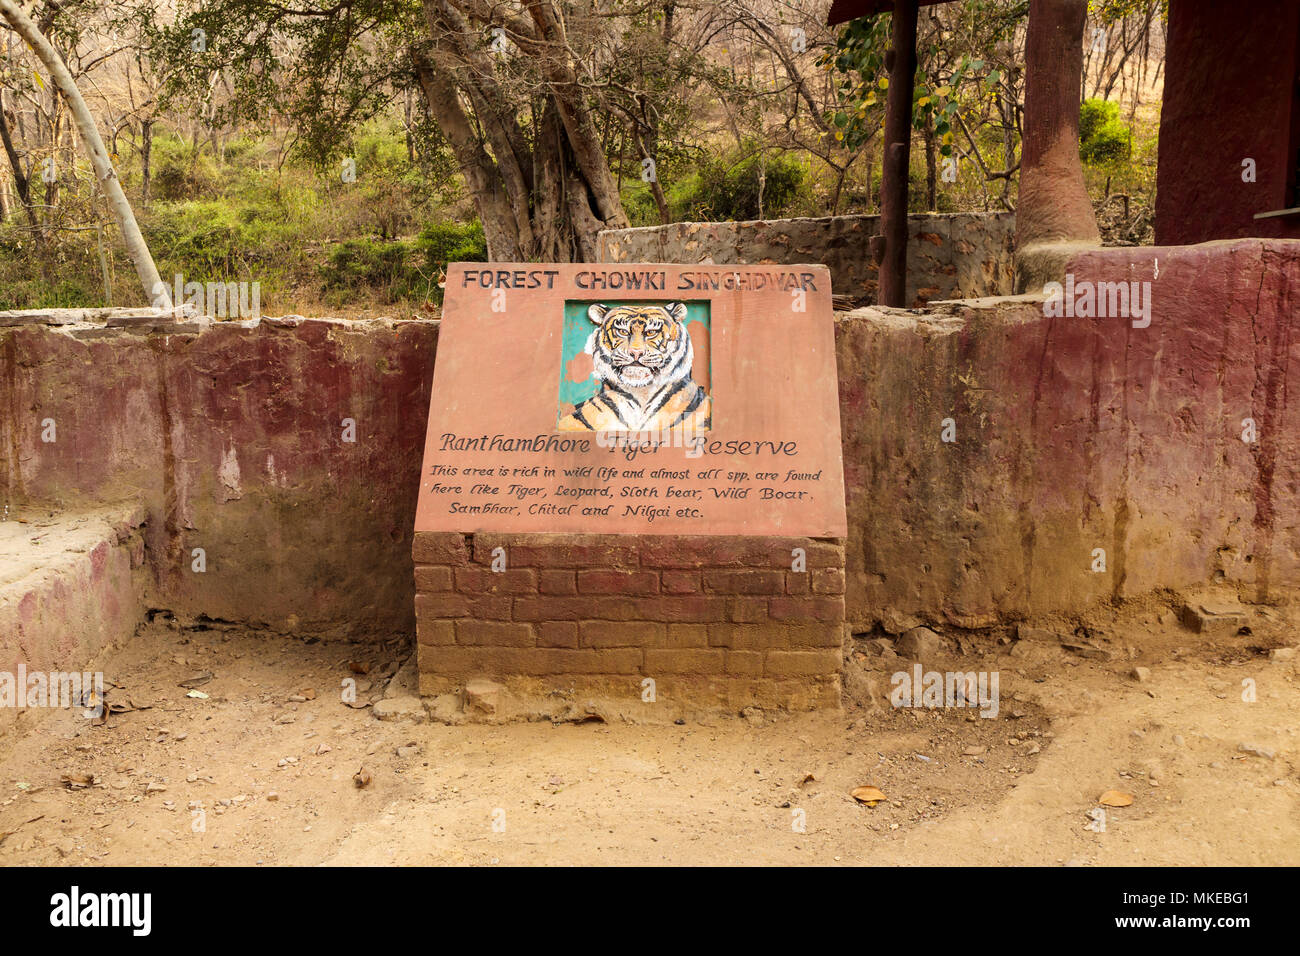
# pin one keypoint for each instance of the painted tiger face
(640, 346)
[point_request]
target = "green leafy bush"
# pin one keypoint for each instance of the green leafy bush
(1103, 137)
(729, 188)
(356, 263)
(442, 242)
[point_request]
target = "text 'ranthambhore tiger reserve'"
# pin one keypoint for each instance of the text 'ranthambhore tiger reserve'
(644, 398)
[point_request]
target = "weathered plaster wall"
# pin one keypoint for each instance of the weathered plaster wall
(69, 588)
(232, 440)
(949, 256)
(1074, 434)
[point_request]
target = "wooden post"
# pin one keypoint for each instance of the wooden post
(898, 141)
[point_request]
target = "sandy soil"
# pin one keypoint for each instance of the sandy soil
(249, 775)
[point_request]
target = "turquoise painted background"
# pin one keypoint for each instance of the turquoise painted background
(578, 327)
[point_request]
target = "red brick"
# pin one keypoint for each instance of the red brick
(828, 581)
(558, 550)
(658, 551)
(432, 577)
(824, 554)
(439, 547)
(749, 581)
(494, 633)
(433, 606)
(574, 608)
(778, 553)
(825, 608)
(557, 634)
(685, 608)
(744, 663)
(817, 554)
(493, 607)
(781, 636)
(801, 663)
(435, 631)
(618, 582)
(748, 610)
(796, 582)
(509, 661)
(558, 582)
(681, 582)
(683, 661)
(687, 635)
(621, 633)
(483, 580)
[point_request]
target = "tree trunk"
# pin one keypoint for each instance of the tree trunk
(154, 289)
(21, 185)
(656, 188)
(547, 202)
(146, 167)
(1053, 205)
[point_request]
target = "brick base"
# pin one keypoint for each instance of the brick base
(712, 620)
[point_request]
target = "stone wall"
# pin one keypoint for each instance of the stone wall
(1075, 434)
(711, 620)
(233, 441)
(70, 588)
(1072, 434)
(949, 256)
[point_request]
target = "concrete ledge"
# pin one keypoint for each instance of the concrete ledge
(71, 586)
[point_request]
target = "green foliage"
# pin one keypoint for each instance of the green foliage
(751, 185)
(1103, 137)
(378, 264)
(182, 171)
(639, 204)
(399, 269)
(442, 242)
(861, 81)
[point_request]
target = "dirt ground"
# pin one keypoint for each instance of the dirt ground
(261, 769)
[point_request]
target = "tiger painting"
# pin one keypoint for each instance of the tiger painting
(642, 358)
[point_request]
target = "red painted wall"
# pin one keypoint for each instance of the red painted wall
(1230, 94)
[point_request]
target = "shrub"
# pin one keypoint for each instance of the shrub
(355, 263)
(1103, 137)
(729, 188)
(442, 242)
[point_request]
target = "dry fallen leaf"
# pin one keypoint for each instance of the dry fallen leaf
(868, 795)
(198, 680)
(1115, 798)
(309, 693)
